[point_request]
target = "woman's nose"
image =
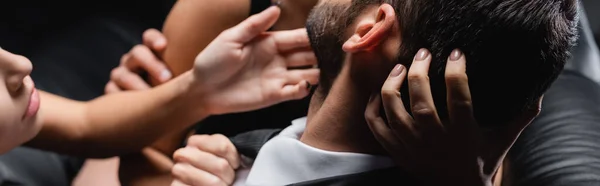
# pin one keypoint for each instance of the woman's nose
(15, 68)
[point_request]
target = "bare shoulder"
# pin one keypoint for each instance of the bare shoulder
(236, 8)
(193, 24)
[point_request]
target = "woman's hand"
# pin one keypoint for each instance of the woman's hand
(141, 59)
(206, 160)
(452, 152)
(246, 68)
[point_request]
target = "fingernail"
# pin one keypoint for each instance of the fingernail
(456, 54)
(165, 75)
(397, 70)
(276, 3)
(308, 85)
(178, 167)
(160, 42)
(422, 55)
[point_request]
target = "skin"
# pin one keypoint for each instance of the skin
(64, 125)
(186, 31)
(83, 128)
(75, 129)
(206, 160)
(171, 141)
(15, 92)
(194, 167)
(373, 49)
(191, 25)
(370, 46)
(423, 144)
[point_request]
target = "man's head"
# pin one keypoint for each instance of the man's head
(514, 48)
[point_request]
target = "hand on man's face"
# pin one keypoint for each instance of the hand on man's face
(453, 151)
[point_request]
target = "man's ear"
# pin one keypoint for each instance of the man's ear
(371, 30)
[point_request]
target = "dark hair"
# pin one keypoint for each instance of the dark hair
(515, 49)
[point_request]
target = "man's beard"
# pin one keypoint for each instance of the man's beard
(326, 27)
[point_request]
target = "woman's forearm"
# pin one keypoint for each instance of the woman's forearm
(117, 123)
(189, 28)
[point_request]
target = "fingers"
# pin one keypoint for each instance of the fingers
(293, 92)
(187, 174)
(253, 26)
(382, 133)
(301, 58)
(399, 120)
(155, 40)
(298, 76)
(421, 99)
(207, 156)
(111, 87)
(218, 145)
(207, 162)
(127, 80)
(291, 39)
(142, 58)
(298, 84)
(376, 123)
(178, 183)
(460, 108)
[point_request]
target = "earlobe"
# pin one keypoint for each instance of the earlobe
(371, 31)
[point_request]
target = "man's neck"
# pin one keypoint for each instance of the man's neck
(339, 123)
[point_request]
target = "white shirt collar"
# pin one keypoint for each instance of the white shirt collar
(285, 160)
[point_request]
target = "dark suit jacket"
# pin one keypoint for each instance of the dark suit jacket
(382, 177)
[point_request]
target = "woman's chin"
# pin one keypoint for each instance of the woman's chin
(20, 135)
(7, 146)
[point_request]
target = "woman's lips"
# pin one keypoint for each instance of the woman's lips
(34, 100)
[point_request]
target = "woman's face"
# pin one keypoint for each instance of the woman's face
(19, 101)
